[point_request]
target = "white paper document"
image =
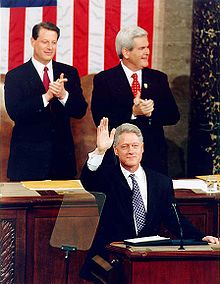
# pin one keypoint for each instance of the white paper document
(193, 184)
(146, 239)
(189, 183)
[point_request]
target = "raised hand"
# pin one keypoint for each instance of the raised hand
(104, 139)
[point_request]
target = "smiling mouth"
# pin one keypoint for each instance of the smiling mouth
(131, 157)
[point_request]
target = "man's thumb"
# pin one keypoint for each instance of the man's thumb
(138, 96)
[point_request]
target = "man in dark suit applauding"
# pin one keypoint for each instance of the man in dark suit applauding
(41, 96)
(131, 92)
(138, 200)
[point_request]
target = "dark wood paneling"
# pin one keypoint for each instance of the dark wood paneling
(13, 245)
(26, 225)
(167, 267)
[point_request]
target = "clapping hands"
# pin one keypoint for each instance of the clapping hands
(142, 107)
(56, 88)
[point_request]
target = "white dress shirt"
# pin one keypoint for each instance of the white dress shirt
(40, 70)
(128, 74)
(140, 177)
(95, 160)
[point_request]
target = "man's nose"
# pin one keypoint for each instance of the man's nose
(50, 45)
(147, 51)
(131, 148)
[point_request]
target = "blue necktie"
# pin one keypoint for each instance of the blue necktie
(138, 204)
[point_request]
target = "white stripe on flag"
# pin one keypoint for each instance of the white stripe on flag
(33, 16)
(96, 36)
(65, 23)
(4, 39)
(158, 35)
(129, 12)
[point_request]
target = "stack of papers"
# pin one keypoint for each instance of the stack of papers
(193, 184)
(56, 185)
(147, 241)
(189, 184)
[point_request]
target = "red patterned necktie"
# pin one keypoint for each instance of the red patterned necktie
(46, 79)
(135, 86)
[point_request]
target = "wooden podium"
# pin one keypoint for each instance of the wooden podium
(164, 265)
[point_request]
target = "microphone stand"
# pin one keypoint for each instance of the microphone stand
(180, 227)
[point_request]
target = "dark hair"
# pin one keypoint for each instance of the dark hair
(44, 25)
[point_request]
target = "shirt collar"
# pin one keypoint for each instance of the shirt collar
(40, 67)
(129, 72)
(137, 173)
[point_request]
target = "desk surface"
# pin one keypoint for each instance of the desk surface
(165, 265)
(165, 251)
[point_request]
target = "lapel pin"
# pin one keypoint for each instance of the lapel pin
(145, 85)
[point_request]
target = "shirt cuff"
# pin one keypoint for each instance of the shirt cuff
(94, 161)
(45, 102)
(63, 101)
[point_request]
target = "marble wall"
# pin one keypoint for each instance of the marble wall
(204, 134)
(172, 55)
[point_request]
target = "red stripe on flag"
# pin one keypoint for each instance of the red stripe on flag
(16, 37)
(80, 37)
(50, 15)
(145, 20)
(112, 26)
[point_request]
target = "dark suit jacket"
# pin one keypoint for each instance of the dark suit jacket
(112, 97)
(117, 223)
(41, 145)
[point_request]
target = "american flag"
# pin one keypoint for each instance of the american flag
(88, 29)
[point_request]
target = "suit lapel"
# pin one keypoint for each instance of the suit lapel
(125, 197)
(36, 85)
(151, 200)
(120, 84)
(122, 87)
(56, 71)
(146, 88)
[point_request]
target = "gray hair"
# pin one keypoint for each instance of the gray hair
(125, 38)
(127, 128)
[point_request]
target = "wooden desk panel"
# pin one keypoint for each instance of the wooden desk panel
(26, 225)
(201, 209)
(167, 267)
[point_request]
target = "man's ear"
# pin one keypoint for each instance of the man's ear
(32, 41)
(116, 151)
(125, 52)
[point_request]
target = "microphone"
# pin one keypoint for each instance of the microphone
(180, 227)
